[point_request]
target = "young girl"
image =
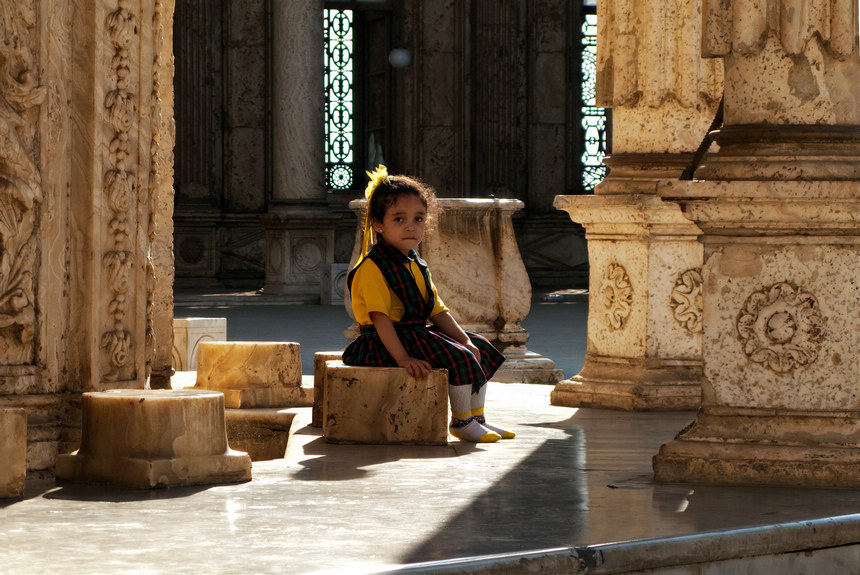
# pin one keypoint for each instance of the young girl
(393, 298)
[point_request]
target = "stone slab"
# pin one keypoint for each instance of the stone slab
(13, 452)
(154, 438)
(382, 405)
(253, 374)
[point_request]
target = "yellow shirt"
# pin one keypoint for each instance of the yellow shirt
(370, 292)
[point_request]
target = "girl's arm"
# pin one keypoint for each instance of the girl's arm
(449, 326)
(385, 328)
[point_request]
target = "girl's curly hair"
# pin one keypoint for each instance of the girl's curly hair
(387, 194)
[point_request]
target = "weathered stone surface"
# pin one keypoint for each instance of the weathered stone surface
(154, 438)
(13, 452)
(189, 332)
(261, 433)
(253, 374)
(320, 360)
(384, 405)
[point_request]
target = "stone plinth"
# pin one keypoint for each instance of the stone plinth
(188, 332)
(154, 438)
(384, 405)
(477, 269)
(13, 452)
(253, 374)
(780, 402)
(262, 433)
(320, 359)
(644, 305)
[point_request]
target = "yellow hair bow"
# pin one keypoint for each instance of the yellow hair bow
(377, 177)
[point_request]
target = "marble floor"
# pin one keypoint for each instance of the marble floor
(570, 477)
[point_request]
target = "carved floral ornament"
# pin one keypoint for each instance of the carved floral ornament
(687, 304)
(781, 327)
(616, 295)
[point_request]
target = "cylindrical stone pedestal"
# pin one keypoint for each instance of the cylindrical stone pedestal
(154, 438)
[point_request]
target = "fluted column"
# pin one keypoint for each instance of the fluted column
(778, 205)
(299, 231)
(644, 321)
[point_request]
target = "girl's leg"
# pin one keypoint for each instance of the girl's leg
(463, 425)
(477, 404)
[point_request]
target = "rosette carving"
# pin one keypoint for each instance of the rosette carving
(616, 295)
(781, 327)
(687, 306)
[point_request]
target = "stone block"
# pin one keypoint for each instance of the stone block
(147, 438)
(320, 359)
(253, 374)
(13, 452)
(383, 405)
(188, 332)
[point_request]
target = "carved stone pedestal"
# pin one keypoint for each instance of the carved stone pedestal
(780, 401)
(644, 315)
(154, 438)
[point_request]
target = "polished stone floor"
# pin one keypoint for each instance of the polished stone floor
(571, 477)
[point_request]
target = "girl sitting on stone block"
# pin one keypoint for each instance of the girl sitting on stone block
(393, 298)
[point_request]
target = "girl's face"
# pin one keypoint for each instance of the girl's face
(403, 224)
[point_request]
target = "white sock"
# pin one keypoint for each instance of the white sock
(474, 432)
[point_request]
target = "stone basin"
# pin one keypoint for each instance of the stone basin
(154, 438)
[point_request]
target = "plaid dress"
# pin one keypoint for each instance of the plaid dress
(421, 341)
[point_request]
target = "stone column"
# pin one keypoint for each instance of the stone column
(778, 205)
(477, 269)
(299, 229)
(644, 321)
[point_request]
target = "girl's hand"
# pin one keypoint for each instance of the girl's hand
(473, 348)
(417, 368)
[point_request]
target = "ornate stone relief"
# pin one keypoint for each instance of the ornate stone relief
(781, 327)
(20, 180)
(616, 295)
(687, 306)
(120, 185)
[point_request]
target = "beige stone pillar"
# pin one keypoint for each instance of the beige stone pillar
(778, 205)
(299, 229)
(477, 268)
(86, 117)
(644, 321)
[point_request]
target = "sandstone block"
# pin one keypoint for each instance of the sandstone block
(154, 438)
(384, 405)
(253, 374)
(13, 452)
(320, 359)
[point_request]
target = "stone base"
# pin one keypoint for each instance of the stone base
(320, 359)
(253, 374)
(261, 433)
(13, 452)
(383, 405)
(764, 447)
(154, 438)
(632, 386)
(528, 367)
